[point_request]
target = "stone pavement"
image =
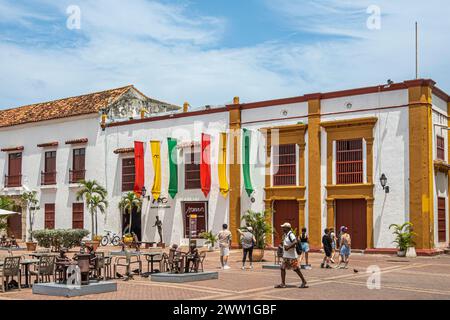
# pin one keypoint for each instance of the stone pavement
(419, 278)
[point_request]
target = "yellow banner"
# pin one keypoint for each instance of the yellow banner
(222, 166)
(156, 158)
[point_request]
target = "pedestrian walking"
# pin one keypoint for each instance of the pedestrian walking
(327, 248)
(333, 244)
(248, 242)
(346, 248)
(224, 238)
(304, 242)
(290, 256)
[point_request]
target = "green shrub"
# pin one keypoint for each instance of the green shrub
(57, 239)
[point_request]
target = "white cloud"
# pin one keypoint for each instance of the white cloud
(167, 52)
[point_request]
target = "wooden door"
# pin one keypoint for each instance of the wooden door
(195, 219)
(50, 168)
(15, 226)
(442, 221)
(49, 216)
(353, 215)
(14, 170)
(284, 211)
(78, 216)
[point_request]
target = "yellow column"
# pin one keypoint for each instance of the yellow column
(235, 173)
(369, 156)
(301, 214)
(421, 162)
(330, 213)
(370, 243)
(314, 177)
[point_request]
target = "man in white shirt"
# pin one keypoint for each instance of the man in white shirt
(224, 237)
(290, 256)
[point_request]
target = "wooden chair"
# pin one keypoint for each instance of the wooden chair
(44, 269)
(107, 263)
(10, 268)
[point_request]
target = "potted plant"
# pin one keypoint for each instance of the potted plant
(94, 196)
(262, 229)
(210, 238)
(128, 239)
(31, 203)
(403, 237)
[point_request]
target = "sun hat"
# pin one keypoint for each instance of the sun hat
(250, 229)
(286, 225)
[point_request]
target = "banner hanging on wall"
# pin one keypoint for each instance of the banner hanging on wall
(139, 179)
(222, 166)
(173, 167)
(156, 158)
(246, 140)
(205, 165)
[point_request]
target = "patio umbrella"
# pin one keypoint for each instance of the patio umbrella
(5, 213)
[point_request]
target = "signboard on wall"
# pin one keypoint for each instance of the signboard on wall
(195, 216)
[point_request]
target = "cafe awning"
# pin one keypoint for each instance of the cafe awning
(5, 213)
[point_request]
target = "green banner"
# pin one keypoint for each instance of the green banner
(173, 167)
(246, 161)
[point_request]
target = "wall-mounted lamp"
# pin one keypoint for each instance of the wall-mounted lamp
(383, 181)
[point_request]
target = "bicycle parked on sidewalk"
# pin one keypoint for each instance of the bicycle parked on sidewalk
(110, 238)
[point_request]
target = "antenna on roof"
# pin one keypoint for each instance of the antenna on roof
(417, 50)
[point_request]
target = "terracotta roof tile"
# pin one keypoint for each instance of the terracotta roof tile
(63, 108)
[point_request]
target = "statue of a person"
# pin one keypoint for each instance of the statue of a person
(158, 224)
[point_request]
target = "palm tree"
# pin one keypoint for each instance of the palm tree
(129, 202)
(94, 196)
(31, 202)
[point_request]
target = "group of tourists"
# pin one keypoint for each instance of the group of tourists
(293, 250)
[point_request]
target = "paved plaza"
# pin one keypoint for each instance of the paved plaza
(419, 278)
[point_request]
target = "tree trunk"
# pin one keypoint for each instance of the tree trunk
(92, 226)
(96, 224)
(131, 219)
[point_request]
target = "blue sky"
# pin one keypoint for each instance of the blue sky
(207, 51)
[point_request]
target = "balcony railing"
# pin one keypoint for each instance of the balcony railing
(13, 181)
(75, 176)
(48, 178)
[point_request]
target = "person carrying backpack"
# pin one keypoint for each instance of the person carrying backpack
(290, 256)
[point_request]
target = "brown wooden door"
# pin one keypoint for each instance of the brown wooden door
(78, 216)
(15, 226)
(50, 168)
(442, 221)
(353, 215)
(14, 170)
(49, 216)
(284, 211)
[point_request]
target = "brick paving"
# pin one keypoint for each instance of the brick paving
(419, 278)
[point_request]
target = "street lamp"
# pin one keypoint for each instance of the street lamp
(383, 181)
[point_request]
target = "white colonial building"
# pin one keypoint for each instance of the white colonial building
(314, 160)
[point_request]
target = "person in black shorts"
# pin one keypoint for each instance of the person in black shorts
(327, 248)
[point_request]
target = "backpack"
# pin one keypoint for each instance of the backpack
(298, 245)
(247, 240)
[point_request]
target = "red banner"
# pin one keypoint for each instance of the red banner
(205, 165)
(139, 180)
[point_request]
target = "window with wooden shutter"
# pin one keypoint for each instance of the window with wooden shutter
(78, 216)
(128, 174)
(440, 148)
(48, 177)
(442, 221)
(78, 172)
(349, 161)
(49, 216)
(192, 169)
(285, 165)
(14, 177)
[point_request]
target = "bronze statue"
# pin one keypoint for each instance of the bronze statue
(158, 224)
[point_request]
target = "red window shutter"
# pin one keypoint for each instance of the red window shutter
(14, 178)
(78, 216)
(442, 221)
(49, 216)
(440, 148)
(285, 165)
(49, 175)
(128, 174)
(349, 161)
(192, 170)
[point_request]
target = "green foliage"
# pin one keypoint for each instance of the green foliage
(60, 238)
(261, 228)
(94, 195)
(403, 235)
(210, 238)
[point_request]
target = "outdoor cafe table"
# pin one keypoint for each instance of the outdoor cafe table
(37, 255)
(152, 256)
(26, 264)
